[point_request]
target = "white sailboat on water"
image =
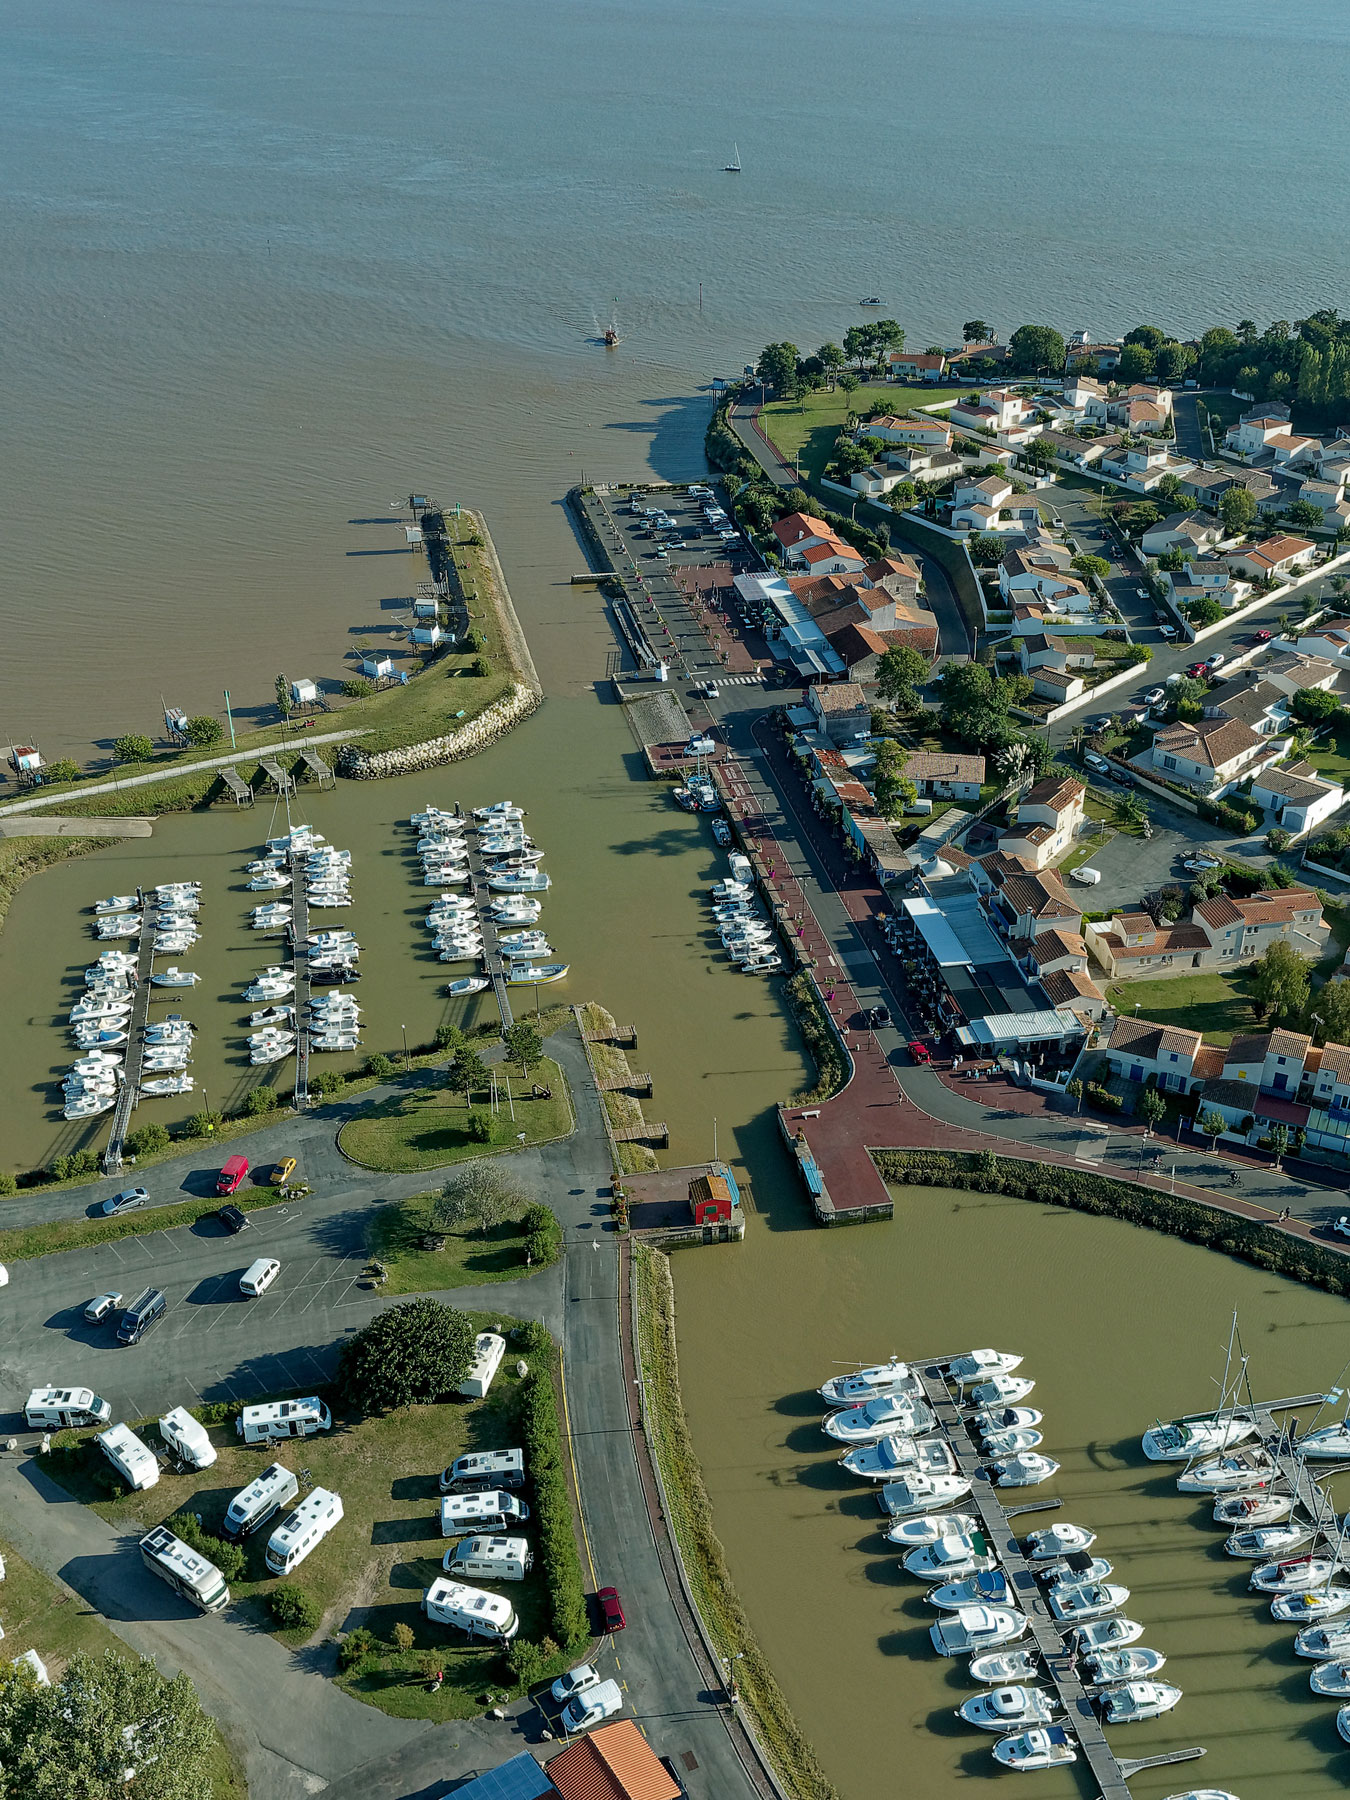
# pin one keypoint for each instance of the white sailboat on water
(734, 166)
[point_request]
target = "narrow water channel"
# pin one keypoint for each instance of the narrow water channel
(1118, 1326)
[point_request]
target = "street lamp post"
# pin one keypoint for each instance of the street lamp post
(404, 1030)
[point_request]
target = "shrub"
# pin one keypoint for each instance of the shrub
(8, 1186)
(357, 688)
(553, 1511)
(356, 1647)
(328, 1081)
(1277, 839)
(146, 1138)
(75, 1163)
(201, 1124)
(448, 1037)
(419, 1351)
(525, 1662)
(1104, 1100)
(403, 1636)
(482, 1127)
(380, 1065)
(295, 1609)
(228, 1558)
(532, 1337)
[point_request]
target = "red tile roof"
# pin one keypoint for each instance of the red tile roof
(613, 1763)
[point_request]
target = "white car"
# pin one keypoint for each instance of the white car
(575, 1681)
(1155, 696)
(1216, 661)
(1099, 763)
(590, 1708)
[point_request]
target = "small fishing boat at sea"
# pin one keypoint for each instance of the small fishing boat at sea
(952, 1559)
(1321, 1641)
(991, 1587)
(1058, 1540)
(1106, 1634)
(533, 881)
(117, 903)
(1075, 1604)
(1331, 1678)
(526, 974)
(1026, 1470)
(1001, 1390)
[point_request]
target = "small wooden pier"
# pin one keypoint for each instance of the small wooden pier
(278, 776)
(237, 788)
(129, 1092)
(651, 1131)
(623, 1037)
(636, 1083)
(303, 986)
(314, 765)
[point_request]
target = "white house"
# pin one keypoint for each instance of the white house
(932, 434)
(988, 490)
(1206, 754)
(945, 774)
(1250, 437)
(1298, 797)
(1049, 818)
(904, 365)
(994, 410)
(1137, 1048)
(1182, 531)
(1278, 558)
(1294, 674)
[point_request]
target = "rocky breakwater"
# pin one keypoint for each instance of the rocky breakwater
(492, 723)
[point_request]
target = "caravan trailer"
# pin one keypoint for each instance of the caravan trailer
(129, 1456)
(254, 1505)
(187, 1438)
(472, 1610)
(488, 1351)
(300, 1531)
(187, 1573)
(283, 1419)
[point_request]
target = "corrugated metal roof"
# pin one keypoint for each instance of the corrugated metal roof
(1018, 1028)
(519, 1779)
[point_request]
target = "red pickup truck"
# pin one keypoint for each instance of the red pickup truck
(231, 1177)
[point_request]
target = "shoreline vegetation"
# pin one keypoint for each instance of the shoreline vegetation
(622, 1110)
(691, 1519)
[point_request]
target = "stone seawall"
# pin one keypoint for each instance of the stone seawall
(494, 722)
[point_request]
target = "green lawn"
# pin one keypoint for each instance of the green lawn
(371, 1570)
(75, 1234)
(810, 425)
(468, 1255)
(1216, 1005)
(42, 1615)
(428, 1128)
(1330, 755)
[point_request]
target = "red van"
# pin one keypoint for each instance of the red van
(231, 1177)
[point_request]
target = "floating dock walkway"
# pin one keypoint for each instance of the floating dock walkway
(494, 965)
(129, 1091)
(303, 987)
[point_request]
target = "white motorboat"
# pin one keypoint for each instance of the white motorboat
(335, 938)
(461, 953)
(511, 859)
(1235, 1473)
(977, 1628)
(1187, 1439)
(90, 1037)
(1331, 1678)
(1252, 1509)
(270, 988)
(467, 985)
(73, 1085)
(263, 862)
(1007, 1707)
(893, 1377)
(1028, 1470)
(117, 903)
(1106, 1634)
(271, 918)
(952, 1558)
(336, 1001)
(882, 1417)
(1058, 1540)
(1310, 1608)
(174, 943)
(167, 889)
(1322, 1641)
(526, 974)
(330, 897)
(269, 878)
(1268, 1540)
(1075, 1569)
(1330, 1441)
(99, 1059)
(1001, 1390)
(913, 1534)
(768, 964)
(170, 1059)
(1009, 1443)
(266, 1055)
(999, 1666)
(1204, 1794)
(1136, 1701)
(100, 1008)
(442, 876)
(466, 939)
(168, 1084)
(1106, 1666)
(1343, 1724)
(1092, 1600)
(89, 1106)
(499, 809)
(173, 976)
(1044, 1747)
(273, 1015)
(124, 925)
(532, 882)
(527, 943)
(515, 912)
(989, 1588)
(161, 1037)
(1006, 1418)
(981, 1365)
(895, 1455)
(917, 1493)
(336, 1040)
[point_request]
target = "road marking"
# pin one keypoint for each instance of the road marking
(1092, 1144)
(571, 1451)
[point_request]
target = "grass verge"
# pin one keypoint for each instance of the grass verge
(429, 1128)
(807, 1010)
(622, 1110)
(77, 1234)
(44, 1615)
(398, 1232)
(690, 1514)
(1217, 1005)
(809, 425)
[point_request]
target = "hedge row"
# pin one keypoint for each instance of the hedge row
(553, 1510)
(831, 1069)
(1051, 1185)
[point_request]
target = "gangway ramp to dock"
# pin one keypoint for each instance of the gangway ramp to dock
(318, 768)
(238, 789)
(129, 1091)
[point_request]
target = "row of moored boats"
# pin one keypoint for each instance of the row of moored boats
(332, 1020)
(748, 934)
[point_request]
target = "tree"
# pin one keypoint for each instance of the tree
(1129, 810)
(479, 1194)
(1202, 612)
(1138, 654)
(986, 548)
(1277, 839)
(65, 768)
(796, 500)
(103, 1717)
(850, 383)
(1314, 705)
(282, 688)
(1280, 983)
(899, 673)
(204, 731)
(1212, 1125)
(1092, 565)
(467, 1072)
(777, 365)
(411, 1354)
(358, 688)
(1152, 1110)
(859, 344)
(1279, 1142)
(1173, 360)
(132, 747)
(1038, 455)
(523, 1043)
(975, 331)
(891, 787)
(976, 703)
(1328, 1014)
(1137, 363)
(831, 359)
(1033, 348)
(259, 1100)
(1148, 336)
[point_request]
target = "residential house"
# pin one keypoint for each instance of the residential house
(861, 648)
(914, 462)
(1332, 461)
(809, 543)
(994, 410)
(1187, 531)
(928, 433)
(1013, 516)
(1252, 436)
(1132, 945)
(1081, 453)
(904, 365)
(945, 774)
(1074, 990)
(1207, 486)
(1049, 818)
(1037, 651)
(1330, 640)
(1137, 1048)
(614, 1762)
(1292, 450)
(1328, 1071)
(1240, 929)
(1329, 498)
(986, 489)
(1276, 558)
(1256, 704)
(1058, 686)
(1271, 1061)
(1140, 467)
(1022, 903)
(842, 710)
(1299, 798)
(1205, 578)
(1207, 754)
(1293, 674)
(1080, 391)
(1083, 353)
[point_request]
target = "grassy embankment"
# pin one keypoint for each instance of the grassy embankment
(429, 1128)
(690, 1515)
(372, 1569)
(44, 1615)
(21, 857)
(622, 1110)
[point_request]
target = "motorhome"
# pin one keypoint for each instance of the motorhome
(187, 1438)
(301, 1530)
(283, 1419)
(495, 1511)
(52, 1408)
(490, 1559)
(488, 1351)
(484, 1469)
(254, 1505)
(129, 1456)
(187, 1572)
(471, 1609)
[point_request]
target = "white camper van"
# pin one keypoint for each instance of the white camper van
(483, 1469)
(259, 1276)
(50, 1408)
(129, 1456)
(461, 1513)
(480, 1614)
(488, 1351)
(187, 1439)
(187, 1572)
(283, 1419)
(254, 1505)
(490, 1559)
(300, 1531)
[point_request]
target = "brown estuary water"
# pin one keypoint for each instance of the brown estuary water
(1117, 1326)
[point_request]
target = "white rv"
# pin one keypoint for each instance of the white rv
(482, 1469)
(488, 1351)
(490, 1559)
(300, 1531)
(254, 1505)
(187, 1572)
(187, 1438)
(461, 1513)
(480, 1614)
(129, 1456)
(283, 1419)
(51, 1408)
